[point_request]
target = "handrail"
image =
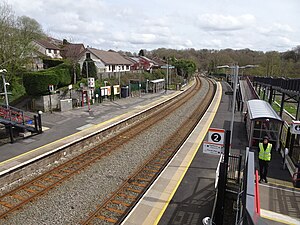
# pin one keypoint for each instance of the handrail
(257, 197)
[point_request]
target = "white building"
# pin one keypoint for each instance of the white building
(107, 62)
(48, 49)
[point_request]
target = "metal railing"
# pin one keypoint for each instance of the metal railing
(234, 168)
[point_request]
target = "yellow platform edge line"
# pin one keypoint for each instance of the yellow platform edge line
(217, 98)
(273, 216)
(134, 111)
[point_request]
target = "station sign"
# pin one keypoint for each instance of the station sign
(216, 136)
(215, 143)
(91, 82)
(295, 127)
(212, 149)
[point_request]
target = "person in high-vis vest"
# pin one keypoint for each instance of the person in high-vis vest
(264, 157)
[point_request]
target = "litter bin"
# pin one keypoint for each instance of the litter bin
(125, 92)
(296, 176)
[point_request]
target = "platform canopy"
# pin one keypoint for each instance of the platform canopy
(260, 109)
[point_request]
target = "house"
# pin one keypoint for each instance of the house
(72, 51)
(144, 63)
(47, 49)
(107, 62)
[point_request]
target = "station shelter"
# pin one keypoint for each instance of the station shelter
(156, 85)
(262, 120)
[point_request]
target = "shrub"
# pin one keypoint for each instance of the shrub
(36, 83)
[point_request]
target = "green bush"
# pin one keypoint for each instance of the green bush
(36, 83)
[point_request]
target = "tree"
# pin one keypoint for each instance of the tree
(90, 65)
(16, 36)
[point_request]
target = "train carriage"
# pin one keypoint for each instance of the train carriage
(262, 120)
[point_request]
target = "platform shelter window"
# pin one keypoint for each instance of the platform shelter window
(262, 120)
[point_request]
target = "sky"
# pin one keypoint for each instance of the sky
(131, 25)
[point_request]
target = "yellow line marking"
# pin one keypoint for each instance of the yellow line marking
(89, 128)
(59, 140)
(277, 217)
(284, 184)
(208, 123)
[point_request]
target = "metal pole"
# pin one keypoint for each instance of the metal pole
(40, 130)
(5, 91)
(167, 74)
(236, 72)
(87, 77)
(120, 84)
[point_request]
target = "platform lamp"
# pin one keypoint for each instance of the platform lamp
(235, 68)
(3, 72)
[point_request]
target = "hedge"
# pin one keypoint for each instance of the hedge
(36, 83)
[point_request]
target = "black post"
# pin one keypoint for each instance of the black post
(240, 168)
(227, 146)
(282, 104)
(219, 213)
(271, 95)
(264, 93)
(222, 182)
(11, 134)
(50, 101)
(40, 123)
(36, 123)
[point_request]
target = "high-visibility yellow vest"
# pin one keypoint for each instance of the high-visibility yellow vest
(265, 154)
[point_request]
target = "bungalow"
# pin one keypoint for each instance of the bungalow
(107, 62)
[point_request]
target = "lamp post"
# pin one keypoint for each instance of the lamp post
(120, 82)
(235, 80)
(3, 72)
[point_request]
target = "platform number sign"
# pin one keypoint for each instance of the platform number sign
(215, 143)
(216, 136)
(295, 127)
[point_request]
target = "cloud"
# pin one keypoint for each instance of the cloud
(217, 22)
(275, 29)
(131, 25)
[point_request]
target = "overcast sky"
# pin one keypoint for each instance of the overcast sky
(131, 25)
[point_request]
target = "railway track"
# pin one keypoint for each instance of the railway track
(27, 192)
(119, 204)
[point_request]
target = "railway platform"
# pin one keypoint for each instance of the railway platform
(63, 128)
(184, 193)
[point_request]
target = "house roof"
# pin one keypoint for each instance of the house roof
(109, 57)
(72, 51)
(46, 44)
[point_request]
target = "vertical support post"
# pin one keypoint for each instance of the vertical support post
(264, 93)
(5, 90)
(293, 137)
(259, 90)
(11, 134)
(40, 122)
(282, 104)
(271, 95)
(222, 182)
(50, 101)
(236, 73)
(240, 167)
